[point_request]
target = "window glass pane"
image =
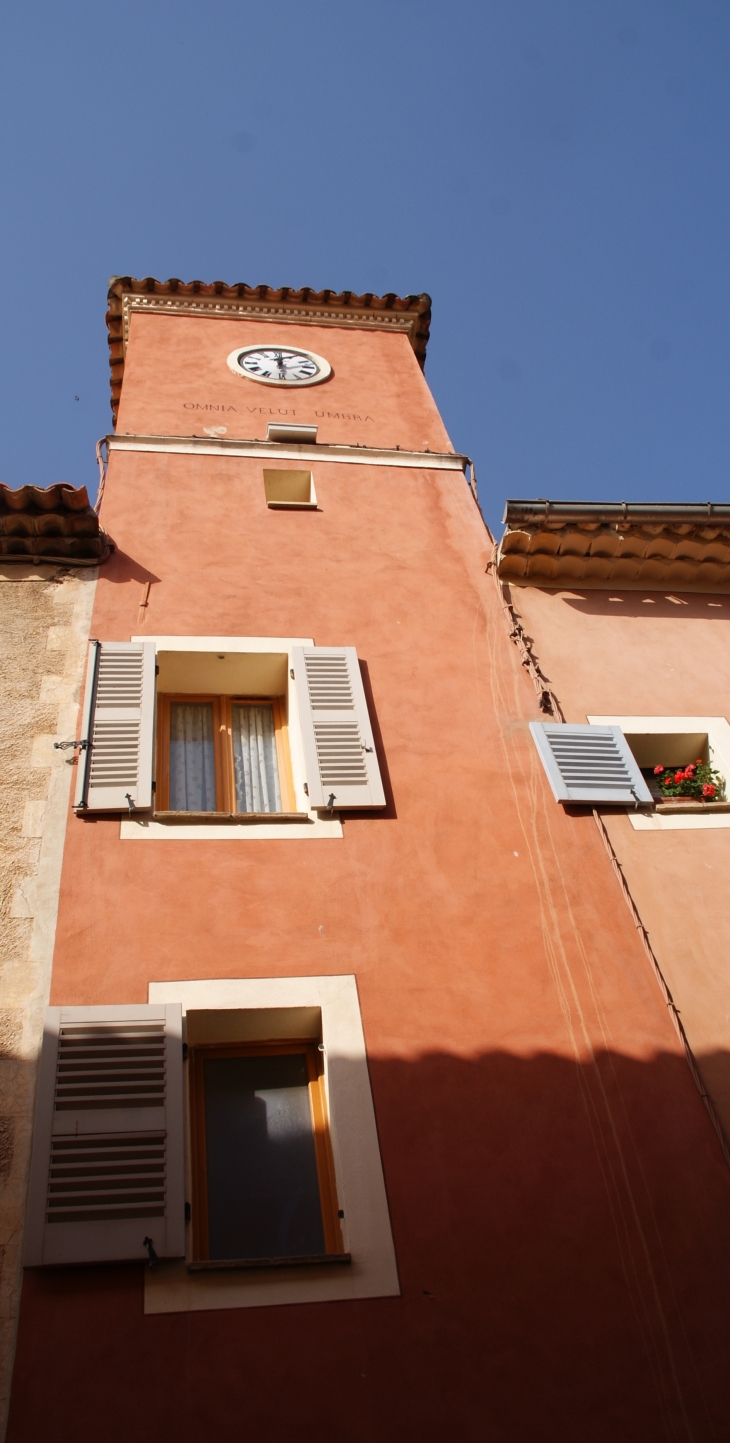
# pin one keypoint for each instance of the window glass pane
(192, 758)
(255, 765)
(263, 1192)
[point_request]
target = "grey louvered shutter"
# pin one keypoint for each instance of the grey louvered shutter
(339, 751)
(118, 721)
(107, 1167)
(590, 764)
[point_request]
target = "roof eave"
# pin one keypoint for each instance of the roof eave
(559, 545)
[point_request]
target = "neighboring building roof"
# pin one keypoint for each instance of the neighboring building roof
(561, 544)
(55, 524)
(409, 314)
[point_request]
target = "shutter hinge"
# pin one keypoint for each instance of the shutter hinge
(185, 1051)
(306, 788)
(154, 786)
(188, 1212)
(291, 672)
(148, 1243)
(157, 669)
(62, 746)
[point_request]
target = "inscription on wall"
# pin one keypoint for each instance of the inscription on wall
(274, 411)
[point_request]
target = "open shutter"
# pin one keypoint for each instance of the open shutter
(107, 1167)
(339, 751)
(118, 722)
(590, 764)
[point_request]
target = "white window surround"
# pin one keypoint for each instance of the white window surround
(717, 729)
(145, 828)
(170, 1288)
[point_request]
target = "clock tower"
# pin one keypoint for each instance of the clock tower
(358, 1113)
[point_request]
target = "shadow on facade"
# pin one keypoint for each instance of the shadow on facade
(563, 1241)
(121, 568)
(688, 606)
(388, 812)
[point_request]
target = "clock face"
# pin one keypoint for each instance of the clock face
(279, 366)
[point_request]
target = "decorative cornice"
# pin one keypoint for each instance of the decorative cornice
(282, 451)
(310, 316)
(408, 316)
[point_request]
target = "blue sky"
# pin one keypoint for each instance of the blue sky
(555, 175)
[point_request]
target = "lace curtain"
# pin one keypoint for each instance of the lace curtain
(255, 765)
(192, 757)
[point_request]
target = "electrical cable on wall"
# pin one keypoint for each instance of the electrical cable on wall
(102, 463)
(547, 700)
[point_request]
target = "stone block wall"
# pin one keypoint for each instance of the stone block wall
(45, 616)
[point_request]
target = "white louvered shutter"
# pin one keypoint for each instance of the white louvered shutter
(339, 751)
(590, 764)
(107, 1168)
(118, 722)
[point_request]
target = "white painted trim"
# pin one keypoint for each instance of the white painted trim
(223, 446)
(170, 1288)
(675, 822)
(226, 643)
(718, 739)
(140, 829)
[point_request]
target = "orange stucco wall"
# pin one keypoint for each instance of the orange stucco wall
(638, 654)
(559, 1205)
(176, 382)
(649, 654)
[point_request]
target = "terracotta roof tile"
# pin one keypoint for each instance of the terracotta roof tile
(55, 523)
(649, 548)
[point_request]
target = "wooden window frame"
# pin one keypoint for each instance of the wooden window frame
(225, 782)
(320, 1131)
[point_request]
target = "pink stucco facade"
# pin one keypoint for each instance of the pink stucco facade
(559, 1205)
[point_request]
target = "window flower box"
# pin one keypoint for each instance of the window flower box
(694, 787)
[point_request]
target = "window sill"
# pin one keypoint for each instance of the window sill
(680, 808)
(237, 818)
(292, 505)
(229, 827)
(226, 1264)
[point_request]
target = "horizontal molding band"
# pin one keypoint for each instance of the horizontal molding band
(352, 455)
(229, 308)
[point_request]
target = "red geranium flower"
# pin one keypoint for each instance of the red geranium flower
(708, 790)
(679, 776)
(658, 771)
(690, 770)
(699, 762)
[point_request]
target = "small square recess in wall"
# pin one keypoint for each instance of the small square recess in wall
(290, 490)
